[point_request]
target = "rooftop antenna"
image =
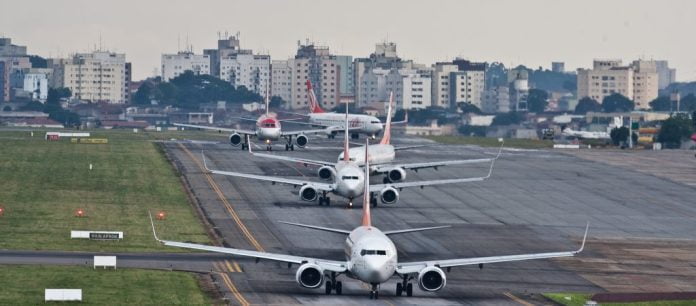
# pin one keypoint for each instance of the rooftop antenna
(100, 41)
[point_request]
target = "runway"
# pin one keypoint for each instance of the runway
(536, 201)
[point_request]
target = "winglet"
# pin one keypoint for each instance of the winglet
(584, 238)
(152, 223)
(205, 164)
(500, 150)
(248, 144)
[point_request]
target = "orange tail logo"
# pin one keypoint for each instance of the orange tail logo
(313, 105)
(386, 139)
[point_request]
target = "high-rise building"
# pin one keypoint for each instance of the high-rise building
(316, 64)
(99, 76)
(175, 64)
(665, 75)
(638, 81)
(345, 75)
(416, 90)
(4, 81)
(8, 49)
(281, 79)
(36, 84)
(240, 66)
(496, 99)
(458, 82)
(558, 67)
(384, 58)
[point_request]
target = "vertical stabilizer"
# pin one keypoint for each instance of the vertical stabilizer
(366, 217)
(386, 138)
(313, 104)
(346, 148)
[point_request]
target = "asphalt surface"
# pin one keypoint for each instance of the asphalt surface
(536, 201)
(641, 225)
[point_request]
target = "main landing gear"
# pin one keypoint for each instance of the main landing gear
(373, 200)
(323, 199)
(245, 145)
(404, 286)
(334, 285)
(289, 146)
(354, 135)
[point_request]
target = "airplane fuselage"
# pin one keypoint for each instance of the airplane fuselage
(267, 128)
(370, 254)
(358, 123)
(378, 154)
(350, 180)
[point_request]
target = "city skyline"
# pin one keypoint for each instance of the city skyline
(532, 33)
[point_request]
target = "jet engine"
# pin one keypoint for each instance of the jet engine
(310, 276)
(235, 139)
(308, 193)
(301, 140)
(396, 174)
(431, 279)
(389, 195)
(327, 172)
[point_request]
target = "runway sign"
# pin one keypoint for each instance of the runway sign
(96, 235)
(105, 261)
(63, 295)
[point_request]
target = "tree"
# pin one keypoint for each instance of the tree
(7, 108)
(472, 130)
(537, 100)
(276, 102)
(469, 108)
(65, 117)
(617, 103)
(508, 119)
(587, 104)
(38, 61)
(34, 106)
(688, 103)
(54, 95)
(674, 130)
(619, 135)
(144, 94)
(661, 104)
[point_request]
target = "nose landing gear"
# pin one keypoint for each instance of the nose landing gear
(374, 292)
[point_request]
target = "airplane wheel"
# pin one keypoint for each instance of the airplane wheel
(376, 295)
(409, 289)
(399, 289)
(292, 147)
(328, 287)
(372, 295)
(287, 147)
(321, 201)
(339, 288)
(385, 180)
(328, 201)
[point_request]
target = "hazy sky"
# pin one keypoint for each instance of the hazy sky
(533, 33)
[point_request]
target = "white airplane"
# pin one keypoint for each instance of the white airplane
(358, 123)
(348, 180)
(268, 129)
(382, 157)
(371, 257)
(566, 131)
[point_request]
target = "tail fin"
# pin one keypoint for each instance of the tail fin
(346, 142)
(386, 139)
(366, 217)
(313, 104)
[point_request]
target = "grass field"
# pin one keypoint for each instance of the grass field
(493, 142)
(24, 285)
(579, 299)
(43, 182)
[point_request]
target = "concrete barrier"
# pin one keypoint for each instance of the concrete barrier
(105, 261)
(63, 295)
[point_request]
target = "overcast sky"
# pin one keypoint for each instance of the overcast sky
(533, 33)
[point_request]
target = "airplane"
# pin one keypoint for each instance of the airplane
(268, 129)
(382, 157)
(371, 257)
(348, 180)
(566, 131)
(359, 123)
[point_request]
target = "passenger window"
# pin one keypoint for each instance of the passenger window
(381, 252)
(362, 252)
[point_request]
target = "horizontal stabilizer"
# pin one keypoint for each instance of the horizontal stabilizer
(320, 228)
(411, 230)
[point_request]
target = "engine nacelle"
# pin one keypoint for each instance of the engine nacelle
(326, 173)
(396, 175)
(235, 139)
(308, 193)
(431, 279)
(301, 140)
(389, 195)
(310, 276)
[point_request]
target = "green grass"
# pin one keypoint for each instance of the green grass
(579, 299)
(42, 183)
(493, 142)
(24, 285)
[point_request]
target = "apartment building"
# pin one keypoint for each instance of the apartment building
(248, 70)
(638, 81)
(316, 64)
(99, 76)
(175, 64)
(281, 79)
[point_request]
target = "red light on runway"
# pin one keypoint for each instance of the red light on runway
(2, 210)
(79, 213)
(161, 215)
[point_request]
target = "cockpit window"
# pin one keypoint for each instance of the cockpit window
(373, 252)
(347, 177)
(374, 122)
(269, 125)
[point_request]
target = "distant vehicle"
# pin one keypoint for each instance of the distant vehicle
(566, 131)
(371, 257)
(268, 129)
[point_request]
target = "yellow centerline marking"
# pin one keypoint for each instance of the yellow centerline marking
(225, 202)
(229, 284)
(236, 265)
(516, 299)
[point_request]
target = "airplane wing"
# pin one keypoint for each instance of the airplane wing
(303, 161)
(417, 166)
(329, 265)
(412, 147)
(415, 267)
(273, 179)
(214, 128)
(325, 131)
(422, 184)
